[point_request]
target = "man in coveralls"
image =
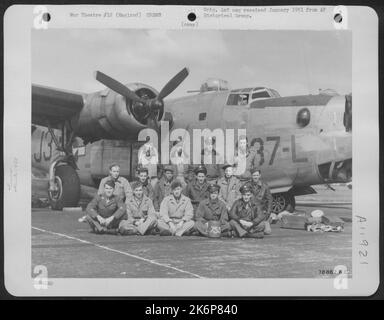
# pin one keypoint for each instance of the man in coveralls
(141, 213)
(176, 213)
(197, 189)
(229, 186)
(143, 177)
(245, 159)
(106, 211)
(122, 187)
(163, 186)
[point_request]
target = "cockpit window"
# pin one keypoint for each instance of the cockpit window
(238, 99)
(260, 94)
(275, 93)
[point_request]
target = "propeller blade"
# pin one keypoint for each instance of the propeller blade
(152, 123)
(173, 83)
(117, 87)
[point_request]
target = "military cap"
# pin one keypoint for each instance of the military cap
(242, 137)
(226, 165)
(136, 184)
(213, 188)
(142, 169)
(201, 168)
(110, 183)
(113, 165)
(245, 188)
(168, 168)
(253, 170)
(175, 184)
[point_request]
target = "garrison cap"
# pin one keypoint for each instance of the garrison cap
(142, 169)
(253, 170)
(110, 183)
(245, 188)
(226, 165)
(175, 184)
(242, 137)
(213, 188)
(201, 168)
(112, 165)
(136, 184)
(168, 168)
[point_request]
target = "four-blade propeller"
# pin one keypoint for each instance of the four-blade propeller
(151, 107)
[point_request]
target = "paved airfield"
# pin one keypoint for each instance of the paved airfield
(68, 248)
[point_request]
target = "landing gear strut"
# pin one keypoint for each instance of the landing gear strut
(64, 182)
(66, 190)
(283, 201)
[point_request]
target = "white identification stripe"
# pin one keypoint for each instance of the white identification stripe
(118, 251)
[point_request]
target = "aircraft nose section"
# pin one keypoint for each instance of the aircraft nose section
(336, 171)
(334, 156)
(336, 115)
(335, 160)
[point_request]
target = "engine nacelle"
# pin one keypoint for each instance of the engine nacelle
(109, 115)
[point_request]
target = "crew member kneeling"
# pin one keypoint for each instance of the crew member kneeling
(176, 212)
(106, 211)
(210, 210)
(140, 211)
(247, 217)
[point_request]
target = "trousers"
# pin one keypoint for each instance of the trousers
(242, 231)
(267, 229)
(202, 227)
(180, 230)
(98, 228)
(129, 228)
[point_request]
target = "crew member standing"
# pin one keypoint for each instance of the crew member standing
(122, 187)
(148, 157)
(180, 160)
(163, 186)
(212, 209)
(229, 187)
(245, 160)
(246, 216)
(106, 211)
(262, 195)
(145, 181)
(211, 159)
(197, 190)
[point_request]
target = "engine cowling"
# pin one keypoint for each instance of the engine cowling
(109, 115)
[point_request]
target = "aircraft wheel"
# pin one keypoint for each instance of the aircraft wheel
(67, 193)
(283, 201)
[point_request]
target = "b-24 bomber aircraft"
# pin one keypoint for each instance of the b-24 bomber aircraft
(300, 141)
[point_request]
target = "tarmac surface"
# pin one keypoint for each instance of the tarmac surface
(69, 250)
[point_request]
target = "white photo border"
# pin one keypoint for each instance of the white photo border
(18, 22)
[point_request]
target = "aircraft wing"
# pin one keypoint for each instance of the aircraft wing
(54, 105)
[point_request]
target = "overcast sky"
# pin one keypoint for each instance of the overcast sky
(292, 62)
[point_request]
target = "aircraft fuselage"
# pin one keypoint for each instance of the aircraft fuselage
(287, 154)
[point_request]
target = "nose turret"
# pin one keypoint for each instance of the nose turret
(335, 125)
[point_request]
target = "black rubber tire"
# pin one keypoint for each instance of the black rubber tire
(70, 194)
(290, 202)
